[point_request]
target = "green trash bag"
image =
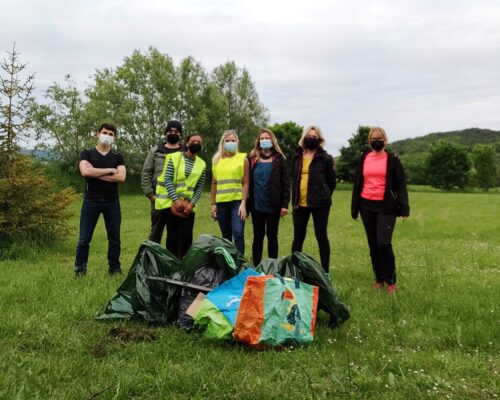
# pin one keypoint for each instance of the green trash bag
(142, 299)
(306, 269)
(232, 261)
(158, 302)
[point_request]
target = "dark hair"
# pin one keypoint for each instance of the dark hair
(191, 135)
(109, 127)
(173, 124)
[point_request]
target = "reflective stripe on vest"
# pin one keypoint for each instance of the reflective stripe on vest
(184, 187)
(161, 190)
(228, 173)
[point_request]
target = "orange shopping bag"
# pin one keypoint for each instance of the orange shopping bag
(276, 311)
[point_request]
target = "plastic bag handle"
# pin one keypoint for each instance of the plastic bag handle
(282, 280)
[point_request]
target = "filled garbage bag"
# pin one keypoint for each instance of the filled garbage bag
(139, 298)
(275, 311)
(306, 269)
(232, 261)
(217, 313)
(211, 274)
(156, 301)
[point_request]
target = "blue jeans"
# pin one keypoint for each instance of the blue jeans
(231, 224)
(91, 209)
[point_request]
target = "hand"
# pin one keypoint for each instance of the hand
(188, 209)
(403, 219)
(214, 211)
(114, 171)
(178, 205)
(152, 198)
(242, 211)
(284, 211)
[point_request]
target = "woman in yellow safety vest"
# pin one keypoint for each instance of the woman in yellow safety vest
(230, 171)
(183, 181)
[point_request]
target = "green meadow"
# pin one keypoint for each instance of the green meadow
(437, 337)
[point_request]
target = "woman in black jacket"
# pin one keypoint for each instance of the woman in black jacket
(313, 175)
(380, 195)
(269, 193)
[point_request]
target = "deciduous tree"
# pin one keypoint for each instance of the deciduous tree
(243, 110)
(484, 159)
(448, 165)
(350, 155)
(288, 135)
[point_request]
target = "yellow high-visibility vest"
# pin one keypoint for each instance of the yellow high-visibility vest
(184, 187)
(228, 173)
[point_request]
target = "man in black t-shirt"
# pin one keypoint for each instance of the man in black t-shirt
(102, 169)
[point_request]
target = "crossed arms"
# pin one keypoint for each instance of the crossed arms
(117, 174)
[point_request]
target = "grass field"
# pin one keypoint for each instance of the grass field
(437, 337)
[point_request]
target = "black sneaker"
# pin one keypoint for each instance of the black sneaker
(115, 271)
(79, 273)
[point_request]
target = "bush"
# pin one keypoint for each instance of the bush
(31, 210)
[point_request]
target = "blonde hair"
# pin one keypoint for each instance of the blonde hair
(254, 153)
(220, 148)
(377, 129)
(306, 132)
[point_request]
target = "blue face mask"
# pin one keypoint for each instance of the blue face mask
(231, 147)
(266, 144)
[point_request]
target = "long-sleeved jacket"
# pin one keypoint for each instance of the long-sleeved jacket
(396, 193)
(322, 179)
(279, 185)
(153, 167)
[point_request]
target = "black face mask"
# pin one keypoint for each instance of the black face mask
(377, 144)
(194, 148)
(311, 143)
(173, 139)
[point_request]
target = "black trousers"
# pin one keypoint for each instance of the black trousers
(379, 228)
(320, 218)
(264, 224)
(179, 233)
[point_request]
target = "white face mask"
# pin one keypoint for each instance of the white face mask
(106, 140)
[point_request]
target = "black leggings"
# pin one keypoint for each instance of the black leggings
(179, 233)
(320, 219)
(379, 228)
(264, 224)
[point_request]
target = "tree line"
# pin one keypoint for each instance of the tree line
(140, 96)
(445, 164)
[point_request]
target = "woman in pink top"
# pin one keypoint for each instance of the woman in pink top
(380, 195)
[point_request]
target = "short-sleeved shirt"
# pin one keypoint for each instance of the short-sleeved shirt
(261, 176)
(97, 188)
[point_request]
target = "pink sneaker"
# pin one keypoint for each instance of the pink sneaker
(378, 285)
(391, 288)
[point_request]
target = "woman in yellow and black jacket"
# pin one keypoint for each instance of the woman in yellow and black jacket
(314, 181)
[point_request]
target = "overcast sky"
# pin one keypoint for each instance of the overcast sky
(412, 67)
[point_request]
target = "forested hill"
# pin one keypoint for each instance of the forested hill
(468, 137)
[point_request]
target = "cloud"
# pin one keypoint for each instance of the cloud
(410, 66)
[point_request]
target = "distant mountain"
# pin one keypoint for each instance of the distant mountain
(467, 137)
